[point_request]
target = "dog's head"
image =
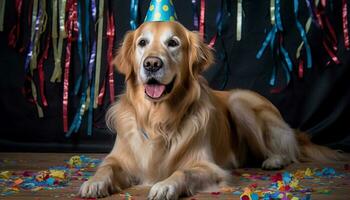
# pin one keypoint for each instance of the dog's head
(160, 57)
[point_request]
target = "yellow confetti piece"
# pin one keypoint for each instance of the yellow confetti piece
(37, 189)
(57, 174)
(5, 174)
(309, 172)
(75, 161)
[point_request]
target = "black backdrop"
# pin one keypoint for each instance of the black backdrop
(319, 103)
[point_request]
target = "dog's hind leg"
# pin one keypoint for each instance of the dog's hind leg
(262, 130)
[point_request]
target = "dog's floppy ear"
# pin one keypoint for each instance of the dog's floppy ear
(123, 60)
(200, 54)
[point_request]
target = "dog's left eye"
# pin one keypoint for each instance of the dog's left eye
(142, 43)
(173, 43)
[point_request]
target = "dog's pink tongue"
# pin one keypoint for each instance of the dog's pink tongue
(154, 90)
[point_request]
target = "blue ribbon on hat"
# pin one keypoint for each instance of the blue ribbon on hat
(161, 11)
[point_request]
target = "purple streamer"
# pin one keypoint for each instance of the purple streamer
(311, 9)
(195, 15)
(31, 45)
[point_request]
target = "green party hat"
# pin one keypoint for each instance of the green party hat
(161, 11)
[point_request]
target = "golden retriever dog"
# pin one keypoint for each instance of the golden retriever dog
(176, 134)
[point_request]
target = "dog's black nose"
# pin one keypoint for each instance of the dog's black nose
(152, 64)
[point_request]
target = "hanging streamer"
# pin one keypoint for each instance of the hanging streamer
(90, 92)
(202, 19)
(275, 39)
(272, 12)
(15, 31)
(58, 43)
(80, 50)
(345, 24)
(239, 20)
(72, 28)
(195, 15)
(134, 7)
(110, 35)
(329, 40)
(303, 35)
(34, 28)
(83, 78)
(41, 71)
(98, 52)
(38, 27)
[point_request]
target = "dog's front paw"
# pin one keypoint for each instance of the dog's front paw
(274, 162)
(163, 190)
(95, 188)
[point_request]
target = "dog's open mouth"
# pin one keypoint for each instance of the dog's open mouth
(155, 90)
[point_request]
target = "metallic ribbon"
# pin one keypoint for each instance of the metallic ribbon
(110, 35)
(345, 24)
(90, 93)
(101, 95)
(72, 27)
(14, 33)
(80, 49)
(81, 109)
(331, 53)
(134, 6)
(34, 28)
(41, 72)
(269, 39)
(39, 29)
(219, 24)
(278, 15)
(99, 51)
(2, 14)
(239, 20)
(311, 8)
(329, 38)
(35, 98)
(202, 19)
(57, 73)
(301, 68)
(195, 15)
(272, 12)
(303, 36)
(37, 22)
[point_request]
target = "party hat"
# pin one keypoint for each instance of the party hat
(161, 11)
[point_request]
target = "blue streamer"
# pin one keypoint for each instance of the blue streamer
(303, 35)
(269, 38)
(75, 126)
(287, 58)
(273, 76)
(134, 6)
(80, 49)
(278, 15)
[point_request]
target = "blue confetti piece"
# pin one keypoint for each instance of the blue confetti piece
(254, 196)
(50, 181)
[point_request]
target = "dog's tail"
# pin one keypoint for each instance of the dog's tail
(313, 152)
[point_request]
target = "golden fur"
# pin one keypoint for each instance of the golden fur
(189, 139)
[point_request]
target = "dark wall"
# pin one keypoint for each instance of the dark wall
(318, 103)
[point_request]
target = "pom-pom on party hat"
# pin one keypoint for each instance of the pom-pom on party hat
(161, 11)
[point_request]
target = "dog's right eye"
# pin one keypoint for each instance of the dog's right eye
(142, 43)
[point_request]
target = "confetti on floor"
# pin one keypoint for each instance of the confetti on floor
(252, 184)
(298, 185)
(76, 168)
